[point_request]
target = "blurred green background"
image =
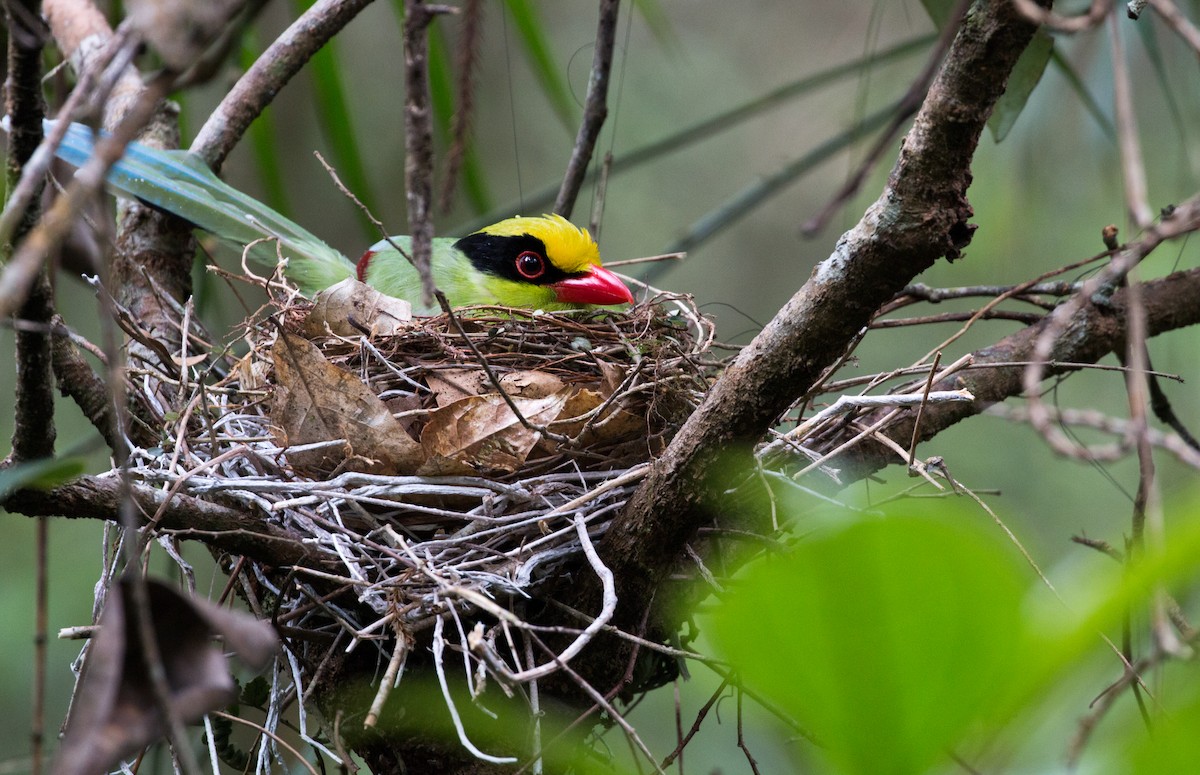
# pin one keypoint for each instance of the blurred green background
(1041, 198)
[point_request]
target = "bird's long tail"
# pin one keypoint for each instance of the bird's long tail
(180, 183)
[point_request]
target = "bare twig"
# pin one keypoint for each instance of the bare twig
(700, 716)
(912, 446)
(391, 677)
(595, 109)
(467, 60)
(418, 134)
(1133, 169)
(1035, 12)
(1182, 25)
(439, 648)
(268, 75)
(585, 637)
(1183, 219)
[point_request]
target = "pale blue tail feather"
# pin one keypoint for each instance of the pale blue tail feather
(180, 183)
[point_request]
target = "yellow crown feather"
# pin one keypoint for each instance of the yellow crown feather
(568, 247)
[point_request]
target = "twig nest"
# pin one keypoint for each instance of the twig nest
(491, 392)
(431, 465)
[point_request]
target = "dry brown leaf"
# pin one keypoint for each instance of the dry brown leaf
(612, 425)
(530, 384)
(316, 401)
(252, 372)
(450, 385)
(481, 433)
(115, 712)
(614, 375)
(335, 307)
(194, 360)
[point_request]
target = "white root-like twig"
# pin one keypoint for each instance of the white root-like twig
(439, 648)
(608, 607)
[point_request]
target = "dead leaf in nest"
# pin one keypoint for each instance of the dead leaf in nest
(410, 406)
(450, 385)
(613, 425)
(335, 307)
(191, 361)
(613, 376)
(530, 384)
(482, 433)
(316, 401)
(252, 372)
(115, 712)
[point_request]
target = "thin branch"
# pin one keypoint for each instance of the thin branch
(1085, 21)
(1086, 334)
(98, 497)
(1133, 168)
(1177, 21)
(467, 60)
(418, 135)
(1182, 220)
(595, 110)
(481, 649)
(700, 716)
(269, 74)
(439, 647)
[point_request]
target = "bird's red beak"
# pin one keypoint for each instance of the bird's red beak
(598, 286)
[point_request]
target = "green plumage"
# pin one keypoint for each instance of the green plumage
(566, 273)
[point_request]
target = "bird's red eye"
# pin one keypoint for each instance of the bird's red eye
(530, 265)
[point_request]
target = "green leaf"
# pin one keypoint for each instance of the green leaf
(888, 638)
(1173, 747)
(1025, 76)
(42, 474)
(537, 49)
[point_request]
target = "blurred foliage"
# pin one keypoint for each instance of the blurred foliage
(902, 636)
(40, 474)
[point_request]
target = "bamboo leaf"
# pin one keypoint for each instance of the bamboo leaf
(1149, 38)
(1025, 76)
(337, 124)
(262, 140)
(537, 50)
(656, 21)
(727, 119)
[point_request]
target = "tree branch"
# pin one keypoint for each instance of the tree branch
(418, 136)
(269, 74)
(33, 418)
(1095, 331)
(99, 497)
(921, 215)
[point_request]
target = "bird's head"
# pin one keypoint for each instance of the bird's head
(542, 263)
